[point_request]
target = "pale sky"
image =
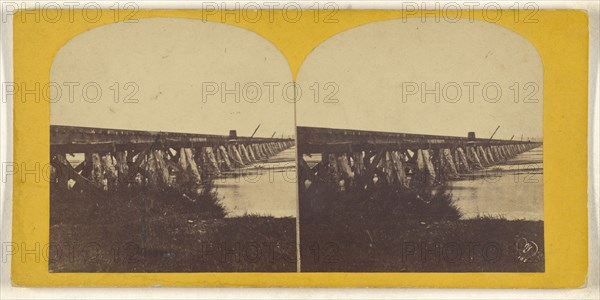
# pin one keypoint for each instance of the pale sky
(374, 64)
(169, 60)
(373, 71)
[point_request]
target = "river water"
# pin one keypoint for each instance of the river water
(514, 189)
(266, 188)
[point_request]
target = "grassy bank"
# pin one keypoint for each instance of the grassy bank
(390, 230)
(484, 245)
(163, 231)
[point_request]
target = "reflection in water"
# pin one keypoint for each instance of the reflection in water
(513, 190)
(266, 188)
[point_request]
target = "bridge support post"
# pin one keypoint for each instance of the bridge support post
(399, 169)
(260, 151)
(447, 164)
(388, 166)
(160, 167)
(234, 155)
(211, 157)
(225, 157)
(110, 172)
(483, 156)
(96, 172)
(425, 166)
(461, 161)
(358, 163)
(501, 154)
(251, 153)
(245, 155)
(61, 172)
(122, 168)
(474, 158)
(491, 158)
(189, 169)
(329, 172)
(346, 175)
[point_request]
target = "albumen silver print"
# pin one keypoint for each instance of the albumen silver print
(431, 160)
(174, 158)
(399, 146)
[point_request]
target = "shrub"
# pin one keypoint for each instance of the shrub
(201, 199)
(382, 202)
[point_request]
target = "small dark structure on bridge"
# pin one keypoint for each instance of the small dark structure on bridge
(117, 159)
(354, 158)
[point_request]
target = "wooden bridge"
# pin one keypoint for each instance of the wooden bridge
(351, 158)
(116, 159)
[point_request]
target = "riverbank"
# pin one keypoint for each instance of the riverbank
(163, 232)
(474, 245)
(386, 229)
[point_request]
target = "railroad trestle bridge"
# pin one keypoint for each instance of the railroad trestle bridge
(116, 159)
(360, 158)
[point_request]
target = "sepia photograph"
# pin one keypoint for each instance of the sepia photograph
(175, 152)
(327, 147)
(179, 152)
(429, 157)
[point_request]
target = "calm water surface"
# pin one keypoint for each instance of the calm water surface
(513, 190)
(265, 188)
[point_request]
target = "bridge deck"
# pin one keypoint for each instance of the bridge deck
(83, 139)
(316, 139)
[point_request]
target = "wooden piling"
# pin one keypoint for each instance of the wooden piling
(345, 171)
(197, 175)
(161, 168)
(329, 172)
(482, 156)
(251, 153)
(96, 176)
(490, 155)
(448, 166)
(461, 161)
(474, 158)
(388, 166)
(61, 171)
(399, 169)
(358, 164)
(244, 153)
(122, 167)
(210, 156)
(110, 172)
(429, 168)
(225, 157)
(235, 156)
